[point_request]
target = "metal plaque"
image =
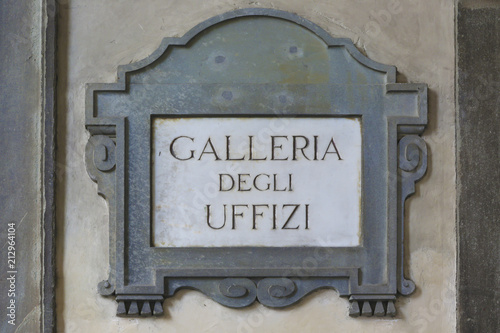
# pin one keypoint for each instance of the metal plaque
(257, 158)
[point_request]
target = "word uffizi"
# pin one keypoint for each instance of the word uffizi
(281, 148)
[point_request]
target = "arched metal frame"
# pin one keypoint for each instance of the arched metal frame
(119, 117)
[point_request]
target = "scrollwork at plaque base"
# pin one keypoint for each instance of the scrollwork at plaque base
(242, 292)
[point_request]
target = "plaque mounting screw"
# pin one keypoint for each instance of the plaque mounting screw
(219, 59)
(106, 284)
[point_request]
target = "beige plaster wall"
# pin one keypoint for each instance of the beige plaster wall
(95, 36)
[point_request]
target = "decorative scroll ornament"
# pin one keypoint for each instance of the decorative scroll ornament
(243, 290)
(412, 167)
(104, 152)
(276, 292)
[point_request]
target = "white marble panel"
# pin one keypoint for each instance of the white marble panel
(261, 181)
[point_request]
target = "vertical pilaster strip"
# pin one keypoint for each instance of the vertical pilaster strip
(478, 165)
(48, 163)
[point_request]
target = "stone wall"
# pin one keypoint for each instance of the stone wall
(96, 36)
(21, 180)
(478, 166)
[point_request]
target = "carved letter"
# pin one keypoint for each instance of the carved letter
(235, 214)
(241, 181)
(172, 151)
(250, 143)
(222, 182)
(290, 217)
(307, 216)
(295, 148)
(228, 158)
(332, 143)
(255, 214)
(209, 142)
(255, 182)
(276, 189)
(208, 218)
(273, 147)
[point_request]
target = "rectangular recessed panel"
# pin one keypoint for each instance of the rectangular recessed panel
(274, 182)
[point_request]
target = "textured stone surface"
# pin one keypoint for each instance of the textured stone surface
(20, 158)
(478, 166)
(417, 37)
